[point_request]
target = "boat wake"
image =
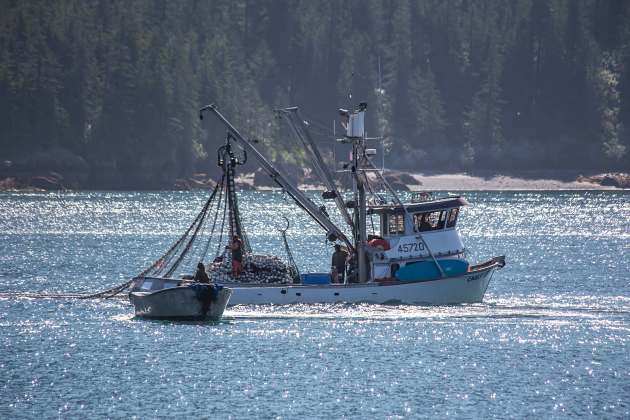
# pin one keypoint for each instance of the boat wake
(495, 310)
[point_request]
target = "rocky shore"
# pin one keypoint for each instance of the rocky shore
(513, 182)
(613, 179)
(59, 170)
(401, 181)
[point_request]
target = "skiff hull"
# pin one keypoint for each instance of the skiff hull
(180, 303)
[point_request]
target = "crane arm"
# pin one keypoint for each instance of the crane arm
(300, 130)
(302, 200)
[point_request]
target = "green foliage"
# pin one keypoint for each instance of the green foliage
(451, 84)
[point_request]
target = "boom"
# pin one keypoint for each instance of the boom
(303, 201)
(300, 130)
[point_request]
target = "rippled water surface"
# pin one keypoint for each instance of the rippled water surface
(551, 338)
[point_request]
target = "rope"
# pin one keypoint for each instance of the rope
(199, 218)
(294, 271)
(214, 221)
(225, 206)
(236, 226)
(170, 253)
(104, 294)
(116, 290)
(158, 265)
(165, 261)
(190, 255)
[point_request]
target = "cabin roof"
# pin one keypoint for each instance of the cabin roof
(425, 206)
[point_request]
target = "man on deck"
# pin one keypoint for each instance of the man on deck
(339, 258)
(237, 255)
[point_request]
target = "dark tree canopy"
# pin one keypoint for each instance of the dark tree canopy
(452, 84)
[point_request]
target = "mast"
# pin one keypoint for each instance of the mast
(355, 133)
(227, 160)
(332, 231)
(361, 244)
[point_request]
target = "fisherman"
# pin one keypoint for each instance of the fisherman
(237, 255)
(339, 258)
(201, 276)
(425, 223)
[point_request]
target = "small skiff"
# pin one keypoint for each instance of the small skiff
(195, 301)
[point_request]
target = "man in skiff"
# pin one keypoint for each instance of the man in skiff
(339, 258)
(237, 255)
(201, 276)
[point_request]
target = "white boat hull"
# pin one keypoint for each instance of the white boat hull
(181, 303)
(467, 288)
(462, 289)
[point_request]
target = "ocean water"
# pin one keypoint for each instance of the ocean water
(550, 340)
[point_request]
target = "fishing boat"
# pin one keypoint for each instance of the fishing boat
(180, 301)
(417, 257)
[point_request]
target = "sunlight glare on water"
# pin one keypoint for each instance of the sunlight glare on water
(550, 339)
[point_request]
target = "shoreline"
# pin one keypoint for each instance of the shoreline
(398, 180)
(466, 182)
(423, 182)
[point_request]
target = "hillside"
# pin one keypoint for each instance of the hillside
(105, 93)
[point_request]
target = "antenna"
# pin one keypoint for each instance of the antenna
(379, 107)
(379, 73)
(350, 90)
(334, 146)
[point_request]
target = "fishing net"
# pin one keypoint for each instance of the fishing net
(196, 242)
(218, 222)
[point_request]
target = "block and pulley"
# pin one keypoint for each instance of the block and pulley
(329, 195)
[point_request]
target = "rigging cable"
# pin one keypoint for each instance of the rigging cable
(214, 222)
(160, 263)
(202, 215)
(294, 272)
(156, 266)
(225, 205)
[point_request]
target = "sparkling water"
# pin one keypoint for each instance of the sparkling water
(551, 338)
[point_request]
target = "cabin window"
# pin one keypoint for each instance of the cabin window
(383, 224)
(452, 218)
(396, 224)
(417, 221)
(432, 220)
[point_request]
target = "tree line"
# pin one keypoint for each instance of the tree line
(451, 84)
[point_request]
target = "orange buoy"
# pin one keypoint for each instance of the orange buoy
(379, 243)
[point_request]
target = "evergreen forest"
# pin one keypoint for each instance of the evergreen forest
(111, 89)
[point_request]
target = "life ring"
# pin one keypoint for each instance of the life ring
(381, 244)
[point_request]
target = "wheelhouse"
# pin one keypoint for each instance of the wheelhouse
(430, 216)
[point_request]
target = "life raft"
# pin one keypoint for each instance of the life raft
(379, 243)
